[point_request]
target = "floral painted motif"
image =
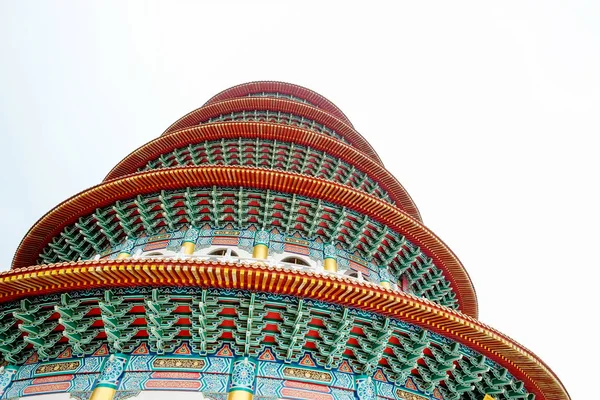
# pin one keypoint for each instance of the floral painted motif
(214, 383)
(262, 237)
(192, 235)
(128, 246)
(112, 371)
(307, 374)
(329, 251)
(83, 383)
(58, 367)
(409, 396)
(342, 380)
(178, 363)
(243, 374)
(365, 388)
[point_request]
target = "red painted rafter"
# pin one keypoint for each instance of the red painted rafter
(280, 87)
(520, 362)
(268, 131)
(173, 178)
(288, 106)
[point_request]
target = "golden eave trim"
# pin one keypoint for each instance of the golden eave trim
(522, 363)
(173, 178)
(282, 87)
(268, 131)
(275, 104)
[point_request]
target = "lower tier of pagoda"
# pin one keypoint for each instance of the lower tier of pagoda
(193, 321)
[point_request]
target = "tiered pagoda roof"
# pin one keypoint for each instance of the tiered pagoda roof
(261, 226)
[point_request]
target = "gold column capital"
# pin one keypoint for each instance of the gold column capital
(238, 395)
(260, 251)
(330, 265)
(103, 393)
(188, 248)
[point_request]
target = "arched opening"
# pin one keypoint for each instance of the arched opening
(296, 261)
(352, 273)
(223, 252)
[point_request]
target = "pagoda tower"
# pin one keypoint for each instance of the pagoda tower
(257, 249)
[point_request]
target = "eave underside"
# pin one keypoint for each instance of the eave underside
(346, 292)
(105, 194)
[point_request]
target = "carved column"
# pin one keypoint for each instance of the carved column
(108, 381)
(189, 241)
(261, 245)
(365, 387)
(384, 277)
(330, 258)
(126, 249)
(243, 379)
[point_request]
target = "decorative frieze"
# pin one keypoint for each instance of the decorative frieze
(364, 243)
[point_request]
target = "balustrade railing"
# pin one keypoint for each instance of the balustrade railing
(317, 267)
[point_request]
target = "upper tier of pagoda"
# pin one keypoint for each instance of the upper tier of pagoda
(260, 156)
(265, 191)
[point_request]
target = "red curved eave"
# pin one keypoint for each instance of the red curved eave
(107, 193)
(315, 98)
(268, 131)
(520, 362)
(264, 103)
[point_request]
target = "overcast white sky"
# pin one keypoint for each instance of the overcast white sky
(486, 111)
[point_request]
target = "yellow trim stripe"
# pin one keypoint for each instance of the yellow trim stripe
(152, 181)
(521, 362)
